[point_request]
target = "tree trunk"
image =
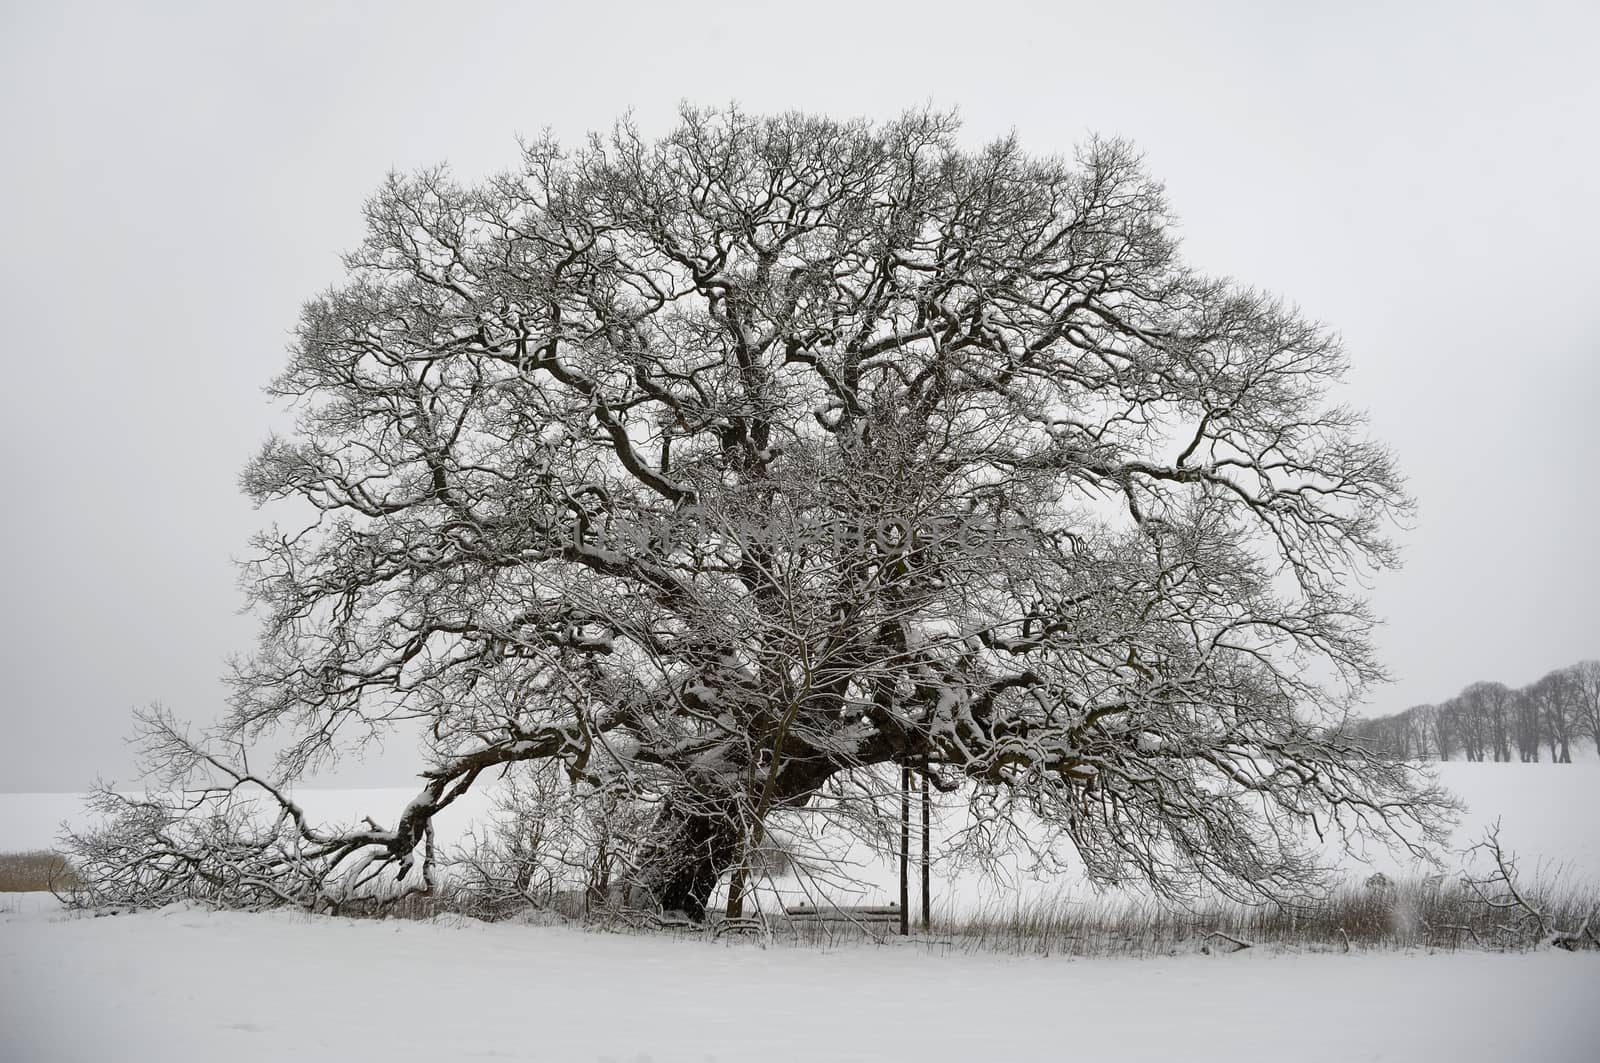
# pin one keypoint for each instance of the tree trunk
(692, 845)
(685, 857)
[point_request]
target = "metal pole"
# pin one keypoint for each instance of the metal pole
(905, 850)
(927, 923)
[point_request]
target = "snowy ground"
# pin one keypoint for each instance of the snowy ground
(191, 985)
(179, 985)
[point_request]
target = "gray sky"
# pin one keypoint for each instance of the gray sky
(177, 180)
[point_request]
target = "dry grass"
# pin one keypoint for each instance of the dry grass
(35, 871)
(1410, 915)
(1434, 914)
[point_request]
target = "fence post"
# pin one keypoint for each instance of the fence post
(905, 850)
(927, 923)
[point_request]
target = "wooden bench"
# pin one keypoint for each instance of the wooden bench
(860, 914)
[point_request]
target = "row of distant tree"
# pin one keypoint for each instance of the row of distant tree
(1493, 722)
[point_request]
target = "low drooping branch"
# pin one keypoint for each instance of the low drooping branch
(1501, 889)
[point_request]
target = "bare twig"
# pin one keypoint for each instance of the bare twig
(1239, 944)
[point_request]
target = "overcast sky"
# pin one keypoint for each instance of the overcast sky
(177, 180)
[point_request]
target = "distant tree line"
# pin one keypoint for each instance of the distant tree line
(1492, 722)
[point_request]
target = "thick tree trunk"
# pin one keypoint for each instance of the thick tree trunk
(685, 857)
(692, 845)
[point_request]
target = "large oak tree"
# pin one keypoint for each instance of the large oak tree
(726, 469)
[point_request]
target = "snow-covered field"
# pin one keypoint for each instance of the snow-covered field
(179, 985)
(184, 984)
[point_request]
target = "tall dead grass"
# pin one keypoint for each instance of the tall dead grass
(35, 871)
(1407, 915)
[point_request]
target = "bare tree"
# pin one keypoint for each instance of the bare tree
(1586, 695)
(728, 469)
(1494, 705)
(1447, 730)
(1471, 725)
(1527, 724)
(1554, 701)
